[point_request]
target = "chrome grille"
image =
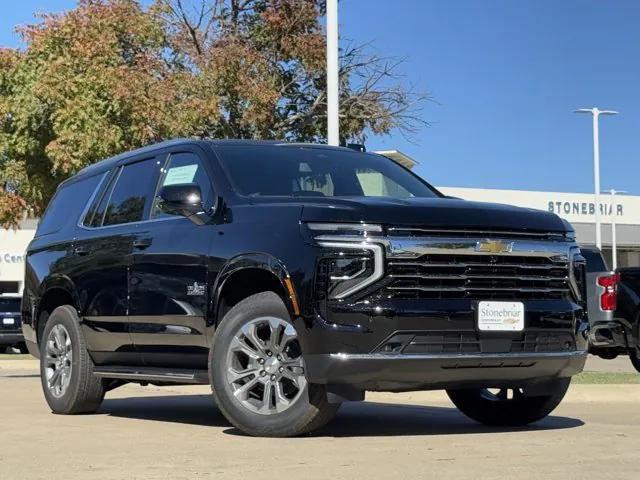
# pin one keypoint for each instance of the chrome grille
(479, 277)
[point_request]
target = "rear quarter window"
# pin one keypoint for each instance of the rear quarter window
(67, 205)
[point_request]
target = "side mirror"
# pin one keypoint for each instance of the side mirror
(184, 199)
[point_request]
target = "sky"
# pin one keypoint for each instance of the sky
(504, 77)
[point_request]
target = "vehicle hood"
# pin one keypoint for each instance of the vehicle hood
(444, 213)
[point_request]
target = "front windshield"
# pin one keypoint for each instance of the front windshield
(317, 172)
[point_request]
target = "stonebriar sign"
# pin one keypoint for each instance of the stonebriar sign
(575, 207)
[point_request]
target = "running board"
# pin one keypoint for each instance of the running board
(153, 374)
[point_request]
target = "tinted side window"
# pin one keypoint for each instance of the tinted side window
(183, 168)
(67, 205)
(95, 214)
(132, 193)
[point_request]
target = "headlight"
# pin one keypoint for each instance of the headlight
(350, 267)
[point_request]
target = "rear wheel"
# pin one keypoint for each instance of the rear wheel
(66, 370)
(507, 407)
(258, 373)
(634, 356)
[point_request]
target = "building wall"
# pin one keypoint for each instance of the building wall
(579, 210)
(575, 207)
(13, 244)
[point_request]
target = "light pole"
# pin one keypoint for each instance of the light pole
(614, 212)
(333, 125)
(595, 112)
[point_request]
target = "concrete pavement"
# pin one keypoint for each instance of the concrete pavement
(178, 433)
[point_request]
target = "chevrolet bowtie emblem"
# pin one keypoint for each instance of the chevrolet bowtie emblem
(494, 246)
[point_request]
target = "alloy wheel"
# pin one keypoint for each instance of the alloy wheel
(58, 360)
(265, 368)
(501, 394)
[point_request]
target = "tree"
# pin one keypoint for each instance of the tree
(112, 75)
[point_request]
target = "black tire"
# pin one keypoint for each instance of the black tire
(85, 391)
(310, 411)
(491, 409)
(634, 356)
(22, 348)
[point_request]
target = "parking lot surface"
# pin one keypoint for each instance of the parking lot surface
(178, 433)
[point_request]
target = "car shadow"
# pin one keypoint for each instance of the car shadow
(358, 419)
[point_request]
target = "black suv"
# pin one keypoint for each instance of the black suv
(293, 277)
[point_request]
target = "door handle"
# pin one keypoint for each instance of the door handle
(142, 243)
(81, 250)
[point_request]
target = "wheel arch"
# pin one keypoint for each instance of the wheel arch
(248, 274)
(56, 292)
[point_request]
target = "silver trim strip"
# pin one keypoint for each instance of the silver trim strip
(414, 247)
(479, 233)
(459, 356)
(173, 377)
(347, 227)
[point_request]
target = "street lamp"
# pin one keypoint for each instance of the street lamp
(614, 212)
(595, 112)
(333, 124)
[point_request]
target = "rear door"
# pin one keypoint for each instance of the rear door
(102, 254)
(169, 274)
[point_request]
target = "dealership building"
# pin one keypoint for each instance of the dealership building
(577, 208)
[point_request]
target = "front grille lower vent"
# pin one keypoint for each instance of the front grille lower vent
(469, 342)
(479, 277)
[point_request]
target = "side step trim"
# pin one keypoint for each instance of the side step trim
(153, 374)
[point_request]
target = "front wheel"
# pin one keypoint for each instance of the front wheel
(634, 356)
(507, 407)
(258, 373)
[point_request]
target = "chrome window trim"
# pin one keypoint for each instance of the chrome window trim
(139, 222)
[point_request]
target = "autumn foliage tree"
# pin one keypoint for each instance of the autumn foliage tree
(112, 75)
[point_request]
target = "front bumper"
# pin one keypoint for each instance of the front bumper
(384, 372)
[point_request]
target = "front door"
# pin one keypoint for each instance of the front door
(101, 257)
(168, 280)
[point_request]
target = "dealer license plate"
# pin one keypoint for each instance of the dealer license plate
(8, 321)
(501, 316)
